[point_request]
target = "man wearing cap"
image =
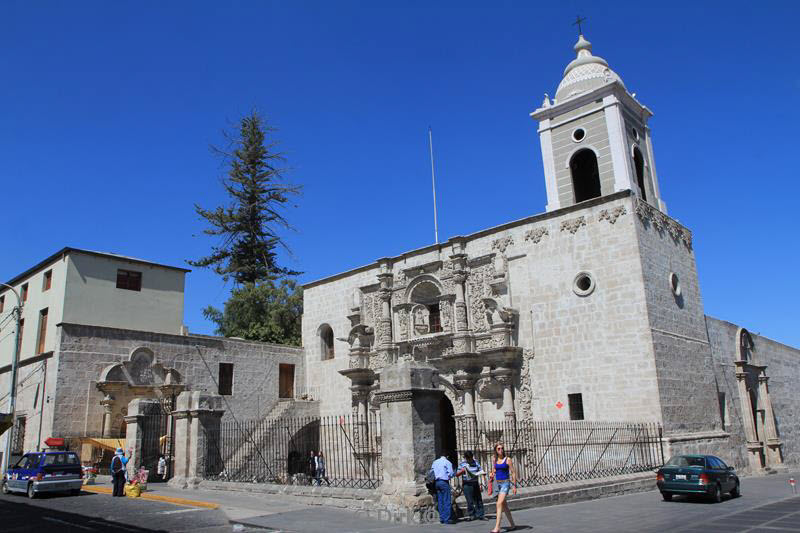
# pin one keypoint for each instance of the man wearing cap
(118, 466)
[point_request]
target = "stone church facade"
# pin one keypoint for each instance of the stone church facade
(591, 310)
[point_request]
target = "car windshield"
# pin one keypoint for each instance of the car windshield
(682, 460)
(60, 459)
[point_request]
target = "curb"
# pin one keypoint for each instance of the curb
(156, 497)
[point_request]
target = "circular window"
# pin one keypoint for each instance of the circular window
(674, 284)
(578, 135)
(583, 285)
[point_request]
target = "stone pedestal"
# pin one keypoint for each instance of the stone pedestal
(197, 420)
(409, 403)
(138, 409)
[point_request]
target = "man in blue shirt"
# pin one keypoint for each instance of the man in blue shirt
(443, 470)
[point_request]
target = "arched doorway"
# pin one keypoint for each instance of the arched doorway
(446, 441)
(585, 175)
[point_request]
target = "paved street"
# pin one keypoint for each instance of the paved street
(767, 505)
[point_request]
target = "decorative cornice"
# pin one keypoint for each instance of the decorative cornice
(573, 224)
(535, 235)
(613, 214)
(661, 222)
(394, 396)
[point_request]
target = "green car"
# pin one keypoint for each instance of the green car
(697, 474)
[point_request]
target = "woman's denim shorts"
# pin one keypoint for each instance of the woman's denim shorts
(503, 487)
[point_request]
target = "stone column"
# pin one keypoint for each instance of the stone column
(773, 443)
(385, 322)
(409, 404)
(138, 408)
(108, 407)
(197, 421)
(360, 397)
(468, 424)
(505, 376)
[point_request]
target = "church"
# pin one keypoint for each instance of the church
(591, 310)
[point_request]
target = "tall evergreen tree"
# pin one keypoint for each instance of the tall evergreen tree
(249, 225)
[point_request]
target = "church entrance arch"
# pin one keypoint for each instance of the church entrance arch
(447, 443)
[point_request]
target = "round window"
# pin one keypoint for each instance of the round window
(674, 284)
(583, 285)
(578, 135)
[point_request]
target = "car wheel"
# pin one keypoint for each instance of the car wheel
(716, 496)
(736, 492)
(5, 488)
(667, 496)
(31, 491)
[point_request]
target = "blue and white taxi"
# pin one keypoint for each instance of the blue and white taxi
(48, 471)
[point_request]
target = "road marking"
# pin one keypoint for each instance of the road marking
(180, 511)
(157, 498)
(67, 523)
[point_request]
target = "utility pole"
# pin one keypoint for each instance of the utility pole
(14, 364)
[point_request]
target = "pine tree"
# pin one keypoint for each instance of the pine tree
(249, 226)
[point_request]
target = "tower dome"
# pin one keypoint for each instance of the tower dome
(585, 72)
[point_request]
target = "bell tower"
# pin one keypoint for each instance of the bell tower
(594, 136)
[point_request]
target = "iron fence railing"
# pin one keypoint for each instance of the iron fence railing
(279, 451)
(544, 453)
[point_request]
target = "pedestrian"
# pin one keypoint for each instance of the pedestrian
(442, 470)
(503, 471)
(162, 467)
(321, 469)
(118, 467)
(471, 471)
(312, 467)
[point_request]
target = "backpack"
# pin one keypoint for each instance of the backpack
(430, 477)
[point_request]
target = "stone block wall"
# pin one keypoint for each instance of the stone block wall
(783, 370)
(84, 351)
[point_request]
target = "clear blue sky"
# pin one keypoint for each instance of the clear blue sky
(109, 109)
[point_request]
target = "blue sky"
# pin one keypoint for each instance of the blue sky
(110, 108)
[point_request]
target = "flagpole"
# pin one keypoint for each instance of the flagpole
(433, 183)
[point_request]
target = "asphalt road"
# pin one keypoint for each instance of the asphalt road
(102, 513)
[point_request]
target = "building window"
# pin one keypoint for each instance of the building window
(129, 280)
(575, 406)
(47, 280)
(18, 437)
(19, 338)
(42, 331)
(434, 318)
(638, 162)
(585, 175)
(24, 292)
(225, 379)
(2, 303)
(326, 341)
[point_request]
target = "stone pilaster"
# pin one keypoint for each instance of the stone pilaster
(754, 447)
(505, 376)
(772, 441)
(467, 423)
(197, 420)
(108, 408)
(385, 338)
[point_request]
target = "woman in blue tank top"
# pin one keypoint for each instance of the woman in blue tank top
(503, 472)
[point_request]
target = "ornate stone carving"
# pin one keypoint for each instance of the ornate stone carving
(535, 235)
(478, 285)
(446, 314)
(613, 214)
(502, 243)
(394, 396)
(524, 393)
(573, 224)
(661, 222)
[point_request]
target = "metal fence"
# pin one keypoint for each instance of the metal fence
(544, 453)
(157, 427)
(279, 451)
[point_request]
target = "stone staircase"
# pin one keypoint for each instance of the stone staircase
(265, 443)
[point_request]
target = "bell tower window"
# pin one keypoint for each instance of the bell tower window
(585, 175)
(638, 163)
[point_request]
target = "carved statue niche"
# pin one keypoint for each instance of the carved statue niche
(496, 313)
(361, 337)
(425, 294)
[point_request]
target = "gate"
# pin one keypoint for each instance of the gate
(158, 428)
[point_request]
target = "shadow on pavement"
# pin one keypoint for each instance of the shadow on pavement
(22, 516)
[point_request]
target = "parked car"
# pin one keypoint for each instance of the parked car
(697, 474)
(48, 471)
